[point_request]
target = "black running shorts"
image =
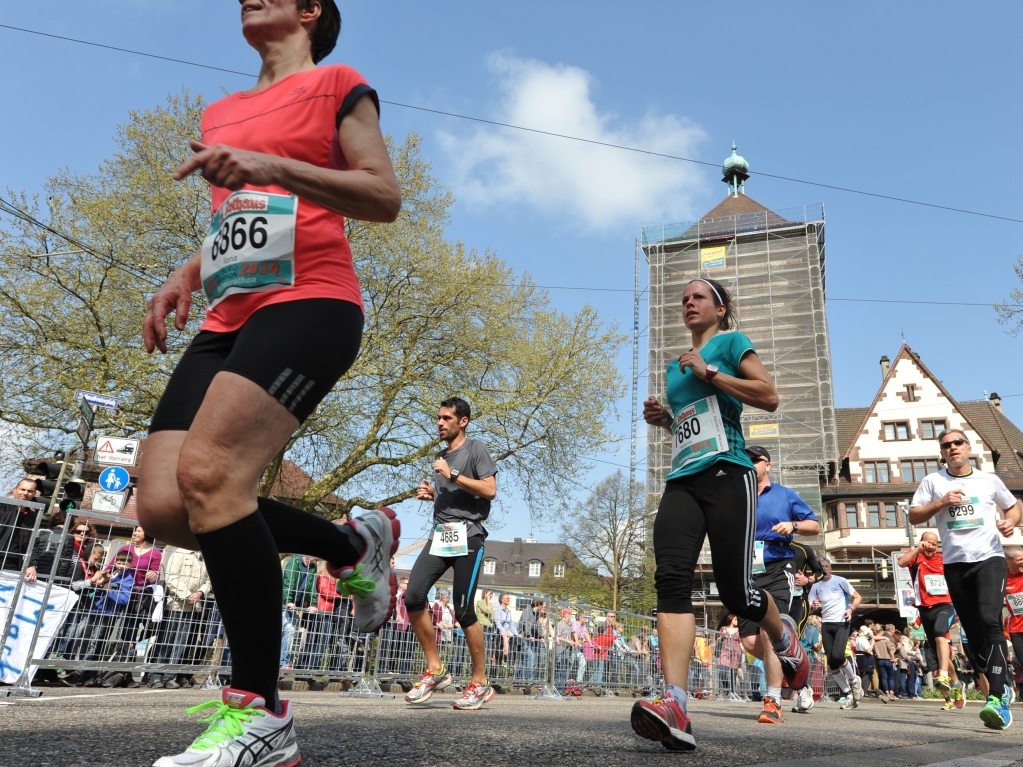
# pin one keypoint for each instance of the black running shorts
(777, 580)
(296, 351)
(935, 621)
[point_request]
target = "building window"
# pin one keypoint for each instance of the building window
(518, 568)
(559, 571)
(489, 566)
(523, 603)
(918, 468)
(873, 515)
(974, 463)
(897, 431)
(534, 569)
(833, 517)
(910, 392)
(875, 471)
(852, 518)
(931, 429)
(891, 515)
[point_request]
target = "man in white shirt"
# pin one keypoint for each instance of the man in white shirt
(965, 505)
(831, 595)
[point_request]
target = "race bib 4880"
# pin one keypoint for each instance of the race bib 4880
(251, 245)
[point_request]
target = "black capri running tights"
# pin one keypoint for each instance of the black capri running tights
(466, 571)
(978, 594)
(835, 637)
(719, 503)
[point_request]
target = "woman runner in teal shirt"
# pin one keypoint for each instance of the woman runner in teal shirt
(711, 491)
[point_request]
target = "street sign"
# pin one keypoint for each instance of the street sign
(97, 400)
(83, 431)
(108, 503)
(114, 479)
(113, 451)
(87, 412)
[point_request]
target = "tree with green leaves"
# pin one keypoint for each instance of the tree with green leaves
(78, 262)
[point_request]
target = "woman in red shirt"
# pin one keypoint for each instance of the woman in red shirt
(287, 161)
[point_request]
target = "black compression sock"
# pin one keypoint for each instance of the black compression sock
(299, 532)
(245, 572)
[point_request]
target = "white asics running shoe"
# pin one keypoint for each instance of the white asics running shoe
(371, 581)
(242, 732)
(857, 689)
(804, 701)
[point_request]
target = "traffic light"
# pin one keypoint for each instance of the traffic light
(48, 485)
(69, 497)
(72, 495)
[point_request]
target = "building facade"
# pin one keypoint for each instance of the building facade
(890, 446)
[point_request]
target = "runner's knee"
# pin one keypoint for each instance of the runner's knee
(673, 581)
(467, 617)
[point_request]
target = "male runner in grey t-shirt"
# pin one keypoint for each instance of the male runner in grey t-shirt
(465, 485)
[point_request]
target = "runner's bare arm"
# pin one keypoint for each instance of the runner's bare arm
(1007, 525)
(175, 295)
(906, 558)
(754, 388)
(482, 488)
(918, 514)
(368, 191)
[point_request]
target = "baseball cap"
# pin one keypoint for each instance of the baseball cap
(756, 451)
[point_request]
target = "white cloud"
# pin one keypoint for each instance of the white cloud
(598, 186)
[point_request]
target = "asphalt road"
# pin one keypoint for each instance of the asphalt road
(132, 728)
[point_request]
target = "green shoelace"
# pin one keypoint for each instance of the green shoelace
(357, 585)
(225, 723)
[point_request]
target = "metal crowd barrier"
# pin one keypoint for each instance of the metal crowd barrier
(154, 620)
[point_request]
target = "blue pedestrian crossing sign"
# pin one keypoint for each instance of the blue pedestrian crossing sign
(113, 479)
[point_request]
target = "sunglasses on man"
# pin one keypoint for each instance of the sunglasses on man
(956, 442)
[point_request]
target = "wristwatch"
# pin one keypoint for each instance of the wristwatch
(455, 474)
(712, 370)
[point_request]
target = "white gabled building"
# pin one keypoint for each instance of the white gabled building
(887, 448)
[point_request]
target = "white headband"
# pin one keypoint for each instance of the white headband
(700, 279)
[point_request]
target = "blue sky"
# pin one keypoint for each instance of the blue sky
(909, 100)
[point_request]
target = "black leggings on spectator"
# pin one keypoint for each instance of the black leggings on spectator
(245, 571)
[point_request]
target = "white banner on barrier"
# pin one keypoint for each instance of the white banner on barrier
(16, 647)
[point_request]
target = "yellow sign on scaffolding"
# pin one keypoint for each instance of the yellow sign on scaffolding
(713, 258)
(761, 430)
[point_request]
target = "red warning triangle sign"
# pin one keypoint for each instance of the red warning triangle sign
(106, 447)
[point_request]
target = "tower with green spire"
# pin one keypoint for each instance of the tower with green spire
(773, 263)
(734, 172)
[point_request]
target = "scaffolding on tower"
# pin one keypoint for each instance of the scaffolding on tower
(773, 264)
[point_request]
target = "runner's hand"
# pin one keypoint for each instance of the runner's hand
(801, 580)
(425, 491)
(694, 362)
(227, 167)
(1005, 527)
(952, 498)
(848, 615)
(655, 414)
(784, 528)
(175, 295)
(441, 467)
(815, 605)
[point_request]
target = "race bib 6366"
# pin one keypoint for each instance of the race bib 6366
(251, 245)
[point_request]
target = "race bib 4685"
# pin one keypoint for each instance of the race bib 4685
(251, 245)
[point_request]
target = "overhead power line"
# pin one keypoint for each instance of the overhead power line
(611, 145)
